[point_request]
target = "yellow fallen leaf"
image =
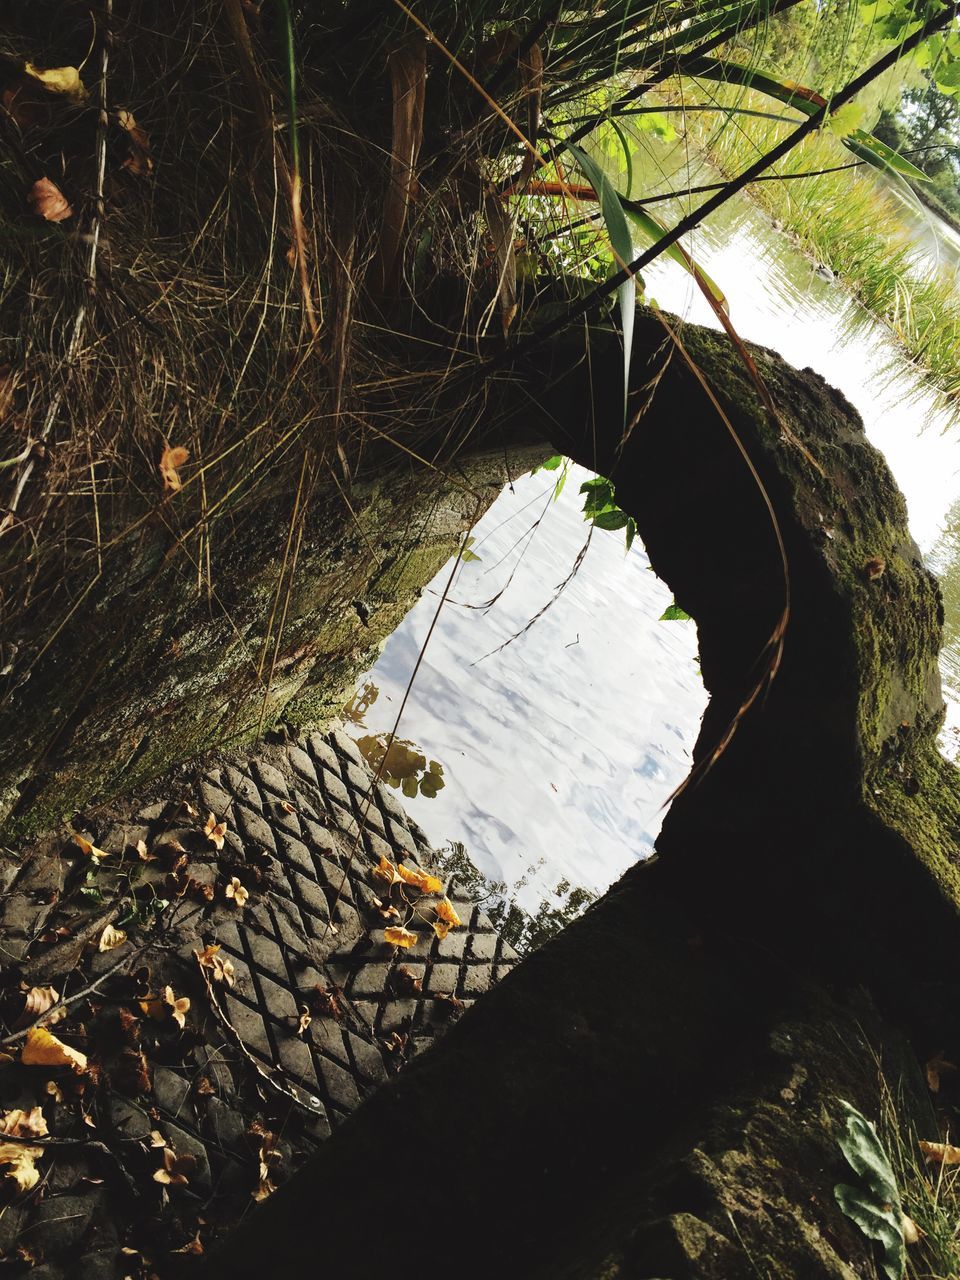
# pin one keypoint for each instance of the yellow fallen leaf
(111, 938)
(89, 849)
(24, 1124)
(167, 1005)
(419, 879)
(447, 918)
(221, 969)
(303, 1021)
(48, 202)
(54, 1090)
(171, 459)
(65, 80)
(941, 1152)
(215, 831)
(399, 937)
(237, 892)
(41, 1049)
(19, 1161)
(386, 871)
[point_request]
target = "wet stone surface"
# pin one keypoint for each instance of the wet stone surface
(165, 1137)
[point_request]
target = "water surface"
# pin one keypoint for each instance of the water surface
(560, 750)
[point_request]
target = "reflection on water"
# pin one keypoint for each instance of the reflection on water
(397, 762)
(356, 709)
(563, 745)
(401, 764)
(568, 740)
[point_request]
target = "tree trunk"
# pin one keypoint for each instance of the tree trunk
(655, 1092)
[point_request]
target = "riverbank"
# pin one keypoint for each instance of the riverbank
(846, 222)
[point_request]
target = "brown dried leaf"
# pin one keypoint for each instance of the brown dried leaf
(111, 938)
(269, 1155)
(139, 160)
(326, 1000)
(192, 1246)
(174, 1170)
(24, 1124)
(502, 229)
(20, 1164)
(48, 202)
(167, 1005)
(237, 893)
(221, 969)
(37, 1000)
(171, 459)
(940, 1152)
(407, 981)
(408, 76)
(935, 1068)
(41, 1049)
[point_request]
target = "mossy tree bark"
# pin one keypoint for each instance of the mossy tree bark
(655, 1091)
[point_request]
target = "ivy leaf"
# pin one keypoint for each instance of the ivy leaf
(673, 613)
(614, 519)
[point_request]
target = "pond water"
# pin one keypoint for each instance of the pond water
(559, 751)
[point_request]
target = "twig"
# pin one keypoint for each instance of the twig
(237, 1039)
(96, 983)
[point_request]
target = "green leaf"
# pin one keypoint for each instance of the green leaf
(673, 613)
(947, 76)
(863, 145)
(551, 464)
(875, 1205)
(466, 554)
(847, 119)
(622, 242)
(409, 787)
(878, 1221)
(631, 531)
(653, 230)
(866, 1156)
(866, 147)
(615, 519)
